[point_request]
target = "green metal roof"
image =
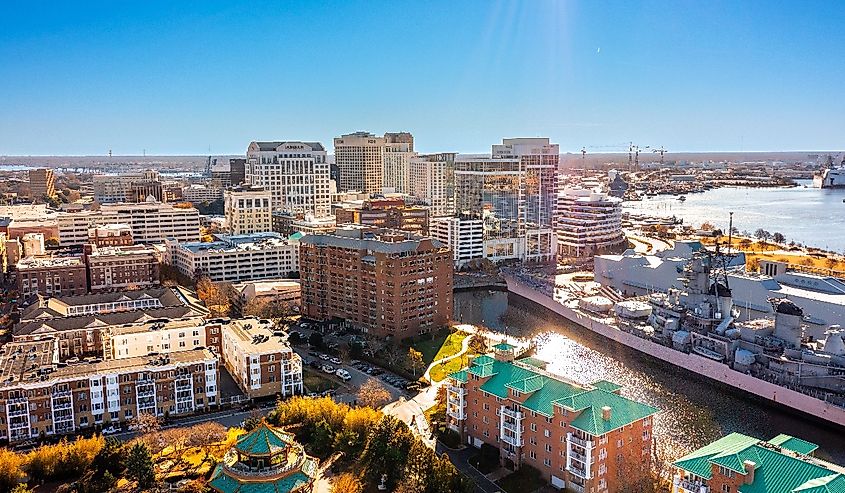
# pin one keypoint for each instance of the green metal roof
(460, 376)
(503, 346)
(296, 236)
(263, 440)
(546, 392)
(222, 482)
(789, 442)
(776, 470)
(535, 362)
(606, 385)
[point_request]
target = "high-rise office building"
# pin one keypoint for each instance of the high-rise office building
(432, 180)
(42, 183)
(514, 192)
(588, 223)
(295, 173)
(360, 160)
(398, 151)
(248, 210)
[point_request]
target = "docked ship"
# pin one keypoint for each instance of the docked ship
(831, 176)
(696, 327)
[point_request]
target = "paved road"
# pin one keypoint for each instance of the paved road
(461, 460)
(227, 418)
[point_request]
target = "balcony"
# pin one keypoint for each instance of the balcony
(587, 444)
(58, 394)
(581, 472)
(62, 405)
(579, 457)
(680, 485)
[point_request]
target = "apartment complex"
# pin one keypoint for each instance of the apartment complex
(236, 258)
(398, 151)
(150, 222)
(359, 158)
(738, 463)
(387, 282)
(514, 192)
(463, 235)
(588, 223)
(248, 210)
(51, 276)
(260, 361)
(585, 438)
(161, 336)
(41, 396)
(384, 213)
(198, 193)
(295, 173)
(432, 180)
(121, 267)
(42, 183)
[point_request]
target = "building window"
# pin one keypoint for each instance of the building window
(726, 488)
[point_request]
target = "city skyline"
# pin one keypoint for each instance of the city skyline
(165, 80)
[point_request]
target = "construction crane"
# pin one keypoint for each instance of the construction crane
(661, 151)
(583, 161)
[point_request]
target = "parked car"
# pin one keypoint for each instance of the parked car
(336, 361)
(325, 357)
(110, 430)
(328, 369)
(343, 374)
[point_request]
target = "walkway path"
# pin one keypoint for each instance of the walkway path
(471, 330)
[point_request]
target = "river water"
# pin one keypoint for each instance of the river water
(694, 410)
(811, 216)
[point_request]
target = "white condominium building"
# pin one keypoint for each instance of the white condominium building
(237, 258)
(398, 151)
(151, 222)
(248, 210)
(359, 158)
(261, 362)
(162, 336)
(432, 180)
(588, 223)
(198, 193)
(463, 235)
(295, 173)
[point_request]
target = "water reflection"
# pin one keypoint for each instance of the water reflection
(695, 411)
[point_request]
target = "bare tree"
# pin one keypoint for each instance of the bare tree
(373, 394)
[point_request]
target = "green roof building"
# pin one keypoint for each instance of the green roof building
(265, 460)
(744, 464)
(577, 435)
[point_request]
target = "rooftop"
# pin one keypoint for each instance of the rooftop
(239, 243)
(548, 390)
(45, 308)
(41, 262)
(46, 326)
(256, 336)
(777, 468)
(376, 240)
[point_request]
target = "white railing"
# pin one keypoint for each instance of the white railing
(579, 457)
(684, 486)
(581, 442)
(580, 472)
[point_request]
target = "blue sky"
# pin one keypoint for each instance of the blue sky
(178, 77)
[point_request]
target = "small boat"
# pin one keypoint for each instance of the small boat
(682, 198)
(707, 353)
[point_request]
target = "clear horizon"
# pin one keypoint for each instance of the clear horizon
(78, 80)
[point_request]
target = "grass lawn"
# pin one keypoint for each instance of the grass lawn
(440, 347)
(525, 479)
(439, 372)
(316, 382)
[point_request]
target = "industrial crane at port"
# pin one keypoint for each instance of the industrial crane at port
(661, 151)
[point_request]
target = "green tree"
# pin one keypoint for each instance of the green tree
(387, 450)
(415, 359)
(139, 466)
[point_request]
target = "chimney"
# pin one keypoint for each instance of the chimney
(605, 413)
(749, 466)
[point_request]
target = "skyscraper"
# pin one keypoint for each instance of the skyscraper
(432, 179)
(360, 159)
(513, 191)
(295, 173)
(398, 151)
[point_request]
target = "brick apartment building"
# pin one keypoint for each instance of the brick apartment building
(121, 267)
(385, 213)
(52, 276)
(386, 282)
(582, 438)
(40, 397)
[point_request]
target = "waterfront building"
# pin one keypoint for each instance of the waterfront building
(388, 283)
(739, 463)
(261, 361)
(121, 267)
(384, 213)
(295, 173)
(588, 222)
(150, 222)
(197, 193)
(248, 210)
(513, 191)
(580, 437)
(51, 276)
(398, 151)
(42, 183)
(463, 235)
(359, 158)
(432, 180)
(236, 258)
(268, 460)
(41, 396)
